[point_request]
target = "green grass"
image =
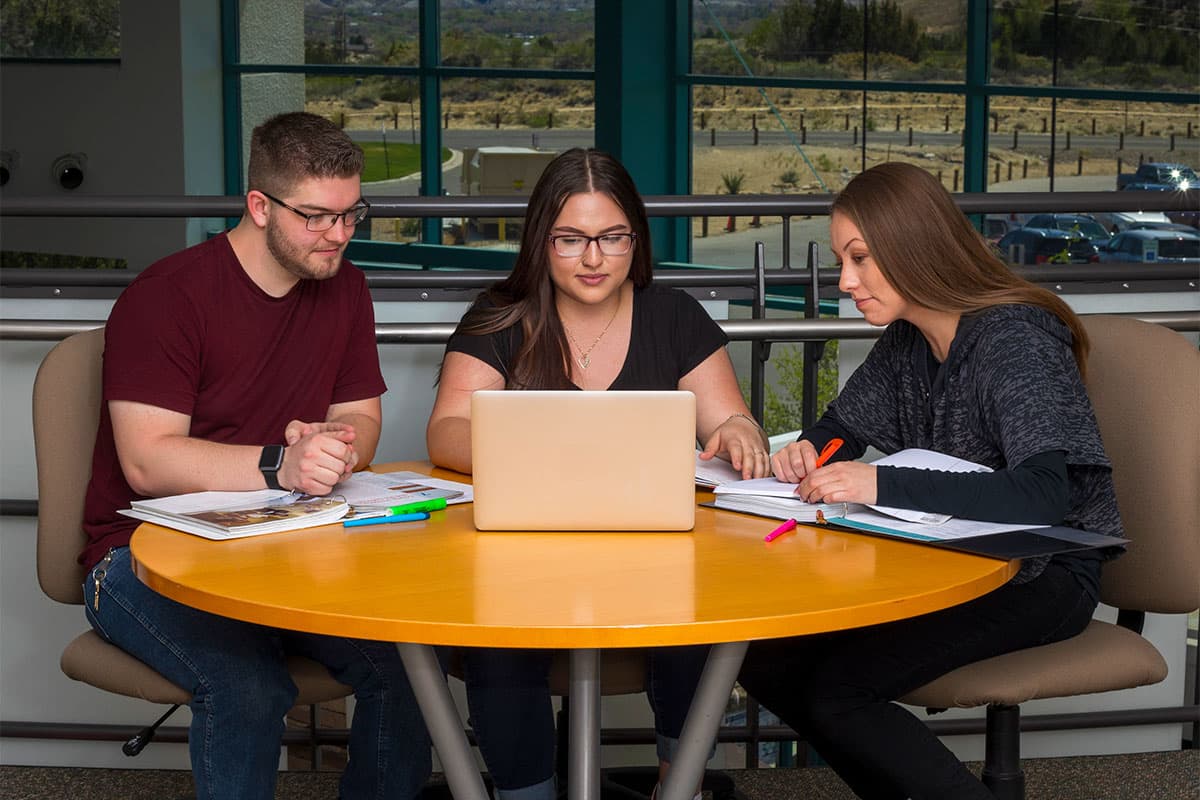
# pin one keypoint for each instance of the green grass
(400, 160)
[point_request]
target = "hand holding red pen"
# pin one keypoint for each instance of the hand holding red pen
(798, 459)
(840, 482)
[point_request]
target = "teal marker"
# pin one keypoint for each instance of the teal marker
(354, 523)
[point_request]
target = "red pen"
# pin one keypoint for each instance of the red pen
(831, 447)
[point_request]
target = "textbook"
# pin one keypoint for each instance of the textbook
(234, 515)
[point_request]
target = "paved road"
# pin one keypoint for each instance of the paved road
(560, 139)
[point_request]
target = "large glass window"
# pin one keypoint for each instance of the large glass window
(1119, 44)
(503, 132)
(361, 33)
(507, 34)
(499, 108)
(62, 29)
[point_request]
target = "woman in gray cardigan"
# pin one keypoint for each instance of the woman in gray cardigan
(980, 364)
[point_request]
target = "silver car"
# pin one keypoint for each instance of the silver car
(1151, 245)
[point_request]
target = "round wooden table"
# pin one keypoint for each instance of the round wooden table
(441, 582)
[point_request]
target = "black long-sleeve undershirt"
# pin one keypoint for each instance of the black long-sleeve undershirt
(1036, 491)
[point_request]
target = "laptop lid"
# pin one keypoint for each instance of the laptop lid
(583, 461)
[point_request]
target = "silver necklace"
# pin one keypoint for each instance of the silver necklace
(585, 356)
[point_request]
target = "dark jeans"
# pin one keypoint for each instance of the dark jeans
(508, 692)
(836, 689)
(241, 691)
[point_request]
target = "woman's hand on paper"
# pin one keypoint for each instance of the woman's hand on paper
(840, 482)
(740, 441)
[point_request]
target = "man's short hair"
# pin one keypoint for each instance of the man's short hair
(295, 146)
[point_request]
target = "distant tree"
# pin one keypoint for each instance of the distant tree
(819, 29)
(317, 52)
(60, 28)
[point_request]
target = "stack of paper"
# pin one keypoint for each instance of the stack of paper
(715, 472)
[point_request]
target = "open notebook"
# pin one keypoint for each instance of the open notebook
(583, 461)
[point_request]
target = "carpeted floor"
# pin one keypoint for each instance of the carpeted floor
(1143, 776)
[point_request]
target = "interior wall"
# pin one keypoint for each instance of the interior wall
(125, 117)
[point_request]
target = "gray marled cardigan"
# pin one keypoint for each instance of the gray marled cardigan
(1009, 389)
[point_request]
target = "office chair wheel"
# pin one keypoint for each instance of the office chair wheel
(143, 737)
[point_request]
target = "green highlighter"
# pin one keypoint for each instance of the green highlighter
(436, 504)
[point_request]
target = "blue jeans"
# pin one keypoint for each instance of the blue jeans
(241, 690)
(508, 694)
(836, 690)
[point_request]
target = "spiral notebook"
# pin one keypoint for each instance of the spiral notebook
(583, 461)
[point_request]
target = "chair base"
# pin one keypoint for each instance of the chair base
(1002, 772)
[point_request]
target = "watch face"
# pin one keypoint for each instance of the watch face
(271, 458)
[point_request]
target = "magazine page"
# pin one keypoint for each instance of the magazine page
(207, 501)
(372, 493)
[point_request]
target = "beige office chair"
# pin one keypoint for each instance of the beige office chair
(1144, 382)
(66, 413)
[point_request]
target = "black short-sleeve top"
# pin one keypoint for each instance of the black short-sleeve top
(671, 335)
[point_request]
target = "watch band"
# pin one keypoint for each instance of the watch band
(269, 464)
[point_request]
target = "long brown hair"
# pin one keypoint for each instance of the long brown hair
(526, 296)
(932, 255)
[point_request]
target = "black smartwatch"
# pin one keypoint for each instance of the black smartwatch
(269, 463)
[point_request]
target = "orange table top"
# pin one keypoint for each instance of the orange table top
(442, 582)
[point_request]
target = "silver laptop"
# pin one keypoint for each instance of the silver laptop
(583, 461)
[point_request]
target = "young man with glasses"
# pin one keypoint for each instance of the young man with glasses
(244, 362)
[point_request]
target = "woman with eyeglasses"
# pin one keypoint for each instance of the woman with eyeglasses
(580, 311)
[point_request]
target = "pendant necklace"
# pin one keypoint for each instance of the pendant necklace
(585, 356)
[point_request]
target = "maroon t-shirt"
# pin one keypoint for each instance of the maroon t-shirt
(193, 334)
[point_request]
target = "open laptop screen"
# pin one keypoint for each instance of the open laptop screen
(584, 461)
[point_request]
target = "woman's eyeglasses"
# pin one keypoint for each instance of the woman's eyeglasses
(323, 222)
(570, 245)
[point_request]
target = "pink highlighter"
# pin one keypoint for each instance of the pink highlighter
(826, 452)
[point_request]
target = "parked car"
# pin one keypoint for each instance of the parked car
(1153, 245)
(1156, 174)
(1046, 246)
(1117, 221)
(1190, 217)
(1161, 226)
(1083, 224)
(994, 227)
(1147, 187)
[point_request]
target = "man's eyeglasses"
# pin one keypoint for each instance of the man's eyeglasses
(572, 245)
(323, 222)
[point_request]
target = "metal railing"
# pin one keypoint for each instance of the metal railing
(754, 284)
